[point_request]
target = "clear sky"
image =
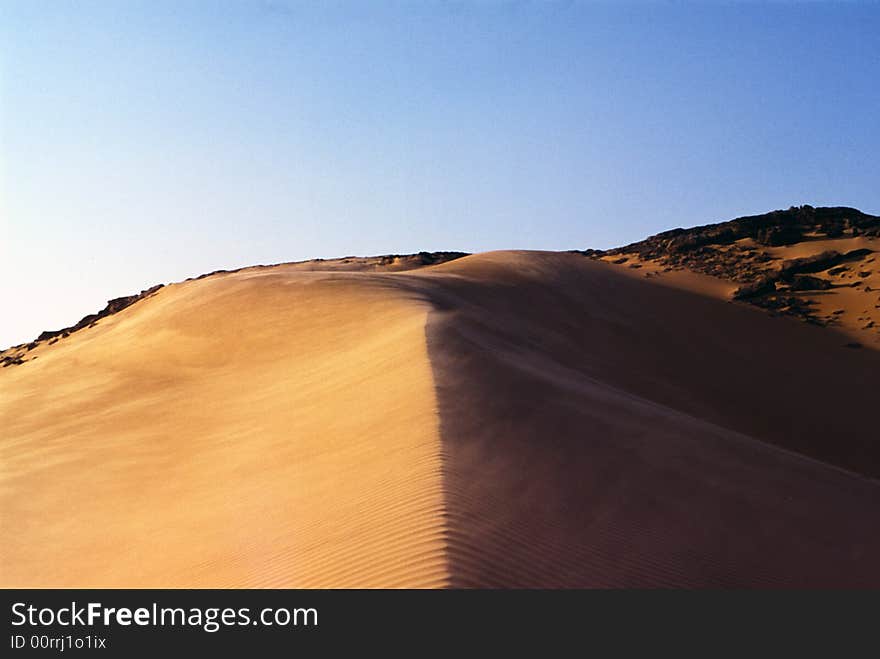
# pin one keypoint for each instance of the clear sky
(146, 142)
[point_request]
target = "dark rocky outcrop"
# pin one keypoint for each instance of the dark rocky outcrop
(15, 355)
(712, 249)
(740, 251)
(809, 283)
(816, 263)
(756, 288)
(113, 306)
(434, 258)
(11, 360)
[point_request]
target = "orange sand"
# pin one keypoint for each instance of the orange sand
(253, 429)
(507, 419)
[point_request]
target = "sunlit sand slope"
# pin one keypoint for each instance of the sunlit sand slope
(268, 428)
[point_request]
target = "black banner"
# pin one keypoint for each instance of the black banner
(105, 623)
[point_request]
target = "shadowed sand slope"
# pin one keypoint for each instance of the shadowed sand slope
(270, 428)
(603, 431)
(506, 419)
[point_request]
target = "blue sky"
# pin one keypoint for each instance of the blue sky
(146, 142)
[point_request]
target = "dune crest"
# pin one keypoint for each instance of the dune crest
(509, 419)
(258, 429)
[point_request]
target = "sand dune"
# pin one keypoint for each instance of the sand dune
(605, 431)
(254, 429)
(505, 419)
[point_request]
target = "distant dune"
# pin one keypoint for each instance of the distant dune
(507, 419)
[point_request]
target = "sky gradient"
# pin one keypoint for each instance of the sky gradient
(147, 142)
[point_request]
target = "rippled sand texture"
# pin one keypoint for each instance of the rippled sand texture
(254, 429)
(506, 419)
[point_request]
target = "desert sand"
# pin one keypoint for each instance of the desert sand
(851, 303)
(816, 264)
(508, 419)
(260, 429)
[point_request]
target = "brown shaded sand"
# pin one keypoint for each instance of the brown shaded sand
(604, 431)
